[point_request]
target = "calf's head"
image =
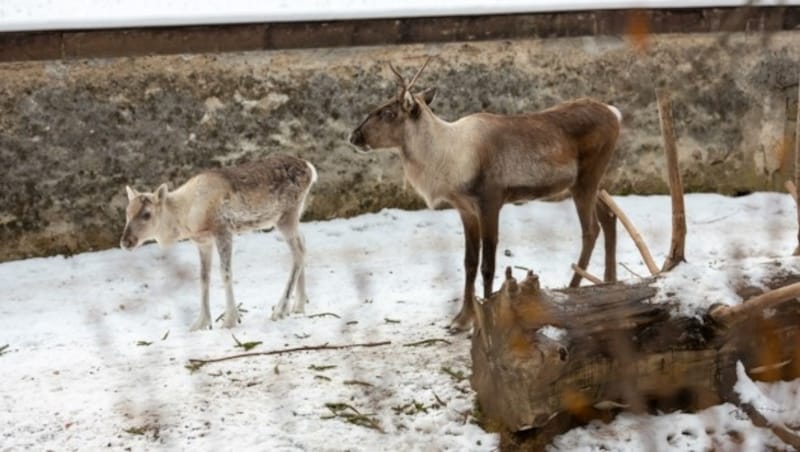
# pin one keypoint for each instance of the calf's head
(385, 126)
(142, 216)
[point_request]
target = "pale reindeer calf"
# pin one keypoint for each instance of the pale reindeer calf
(212, 206)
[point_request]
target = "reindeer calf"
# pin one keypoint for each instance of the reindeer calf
(210, 207)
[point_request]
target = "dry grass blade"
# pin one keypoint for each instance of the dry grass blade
(350, 414)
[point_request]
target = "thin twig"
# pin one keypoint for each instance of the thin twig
(637, 239)
(195, 363)
(427, 342)
(592, 278)
(358, 382)
(324, 314)
(631, 271)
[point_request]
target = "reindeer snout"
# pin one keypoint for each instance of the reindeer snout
(127, 242)
(357, 138)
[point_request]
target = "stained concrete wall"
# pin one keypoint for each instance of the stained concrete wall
(73, 133)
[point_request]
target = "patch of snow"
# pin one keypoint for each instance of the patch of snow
(97, 342)
(552, 332)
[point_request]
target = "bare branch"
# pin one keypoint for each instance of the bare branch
(195, 364)
(731, 315)
(586, 274)
(427, 342)
(637, 239)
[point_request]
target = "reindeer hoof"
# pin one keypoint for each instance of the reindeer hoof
(278, 314)
(300, 308)
(201, 323)
(461, 323)
(231, 319)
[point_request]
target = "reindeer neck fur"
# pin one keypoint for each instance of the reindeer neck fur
(437, 157)
(175, 213)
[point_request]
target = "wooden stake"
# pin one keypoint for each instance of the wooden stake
(592, 278)
(676, 249)
(637, 239)
(797, 167)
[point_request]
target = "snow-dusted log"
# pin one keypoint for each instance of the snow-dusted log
(545, 361)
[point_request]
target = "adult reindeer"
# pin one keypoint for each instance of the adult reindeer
(483, 160)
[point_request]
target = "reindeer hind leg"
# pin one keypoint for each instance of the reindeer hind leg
(608, 223)
(289, 227)
(585, 201)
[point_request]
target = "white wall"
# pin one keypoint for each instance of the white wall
(29, 15)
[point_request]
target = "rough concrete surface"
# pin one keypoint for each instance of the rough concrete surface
(73, 133)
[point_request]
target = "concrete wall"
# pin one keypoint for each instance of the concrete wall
(73, 133)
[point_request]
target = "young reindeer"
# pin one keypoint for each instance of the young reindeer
(484, 160)
(212, 206)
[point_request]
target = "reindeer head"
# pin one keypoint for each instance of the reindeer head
(384, 127)
(142, 216)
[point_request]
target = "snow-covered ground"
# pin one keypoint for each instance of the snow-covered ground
(98, 342)
(16, 15)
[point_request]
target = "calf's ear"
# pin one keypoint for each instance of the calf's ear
(161, 193)
(131, 192)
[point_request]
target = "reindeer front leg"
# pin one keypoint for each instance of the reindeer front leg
(299, 253)
(224, 241)
(204, 319)
(472, 243)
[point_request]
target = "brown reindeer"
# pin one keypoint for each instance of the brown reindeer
(483, 160)
(212, 206)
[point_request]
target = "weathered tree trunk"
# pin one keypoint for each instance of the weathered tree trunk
(614, 349)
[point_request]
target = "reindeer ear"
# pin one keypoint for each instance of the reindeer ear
(161, 193)
(408, 101)
(131, 192)
(428, 95)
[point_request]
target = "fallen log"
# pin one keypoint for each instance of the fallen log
(547, 360)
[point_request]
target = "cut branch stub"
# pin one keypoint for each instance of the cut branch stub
(797, 168)
(677, 245)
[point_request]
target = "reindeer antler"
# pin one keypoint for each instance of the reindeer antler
(416, 76)
(402, 82)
